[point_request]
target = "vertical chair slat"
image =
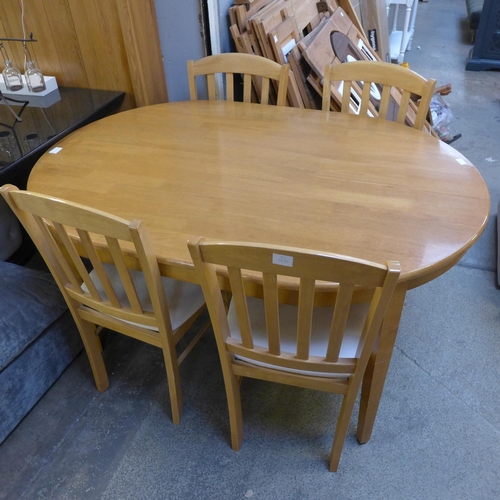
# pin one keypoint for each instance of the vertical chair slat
(91, 252)
(69, 248)
(240, 302)
(251, 67)
(270, 284)
(283, 86)
(386, 76)
(229, 87)
(384, 102)
(55, 248)
(211, 87)
(365, 98)
(305, 316)
(75, 259)
(340, 315)
(247, 88)
(403, 107)
(264, 96)
(124, 273)
(346, 96)
(327, 90)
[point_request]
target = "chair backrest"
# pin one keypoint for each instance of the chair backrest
(55, 226)
(308, 267)
(246, 64)
(366, 74)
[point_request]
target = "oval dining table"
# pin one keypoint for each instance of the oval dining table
(327, 181)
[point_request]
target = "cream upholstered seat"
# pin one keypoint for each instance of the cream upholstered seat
(256, 70)
(134, 302)
(183, 299)
(366, 88)
(320, 331)
(324, 348)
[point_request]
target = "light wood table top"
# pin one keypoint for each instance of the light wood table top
(363, 187)
(356, 186)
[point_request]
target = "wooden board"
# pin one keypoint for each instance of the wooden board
(374, 21)
(112, 45)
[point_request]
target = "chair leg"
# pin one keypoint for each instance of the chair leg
(174, 386)
(234, 406)
(93, 348)
(98, 330)
(342, 427)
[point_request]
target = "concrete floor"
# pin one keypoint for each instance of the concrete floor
(437, 434)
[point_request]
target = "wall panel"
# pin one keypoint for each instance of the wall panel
(103, 44)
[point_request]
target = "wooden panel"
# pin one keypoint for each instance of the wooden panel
(142, 42)
(93, 25)
(109, 45)
(349, 8)
(10, 27)
(45, 51)
(74, 73)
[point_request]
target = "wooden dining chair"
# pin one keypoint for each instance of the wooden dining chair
(135, 302)
(249, 66)
(376, 80)
(322, 348)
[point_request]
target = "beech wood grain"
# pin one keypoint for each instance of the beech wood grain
(331, 182)
(326, 181)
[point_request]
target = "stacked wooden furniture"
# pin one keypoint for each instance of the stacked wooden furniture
(308, 35)
(275, 29)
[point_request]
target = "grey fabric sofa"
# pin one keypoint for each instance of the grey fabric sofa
(38, 340)
(10, 231)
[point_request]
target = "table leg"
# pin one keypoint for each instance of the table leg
(376, 371)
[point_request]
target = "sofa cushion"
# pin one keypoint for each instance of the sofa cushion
(26, 379)
(30, 301)
(10, 231)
